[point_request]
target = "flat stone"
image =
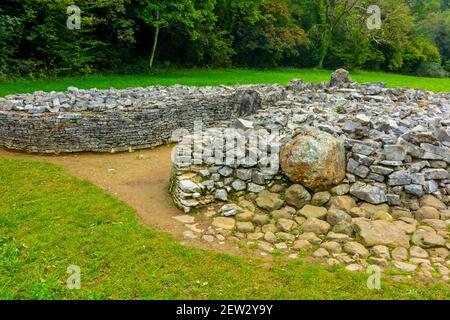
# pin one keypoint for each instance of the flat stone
(245, 216)
(309, 211)
(297, 196)
(221, 195)
(400, 178)
(245, 227)
(189, 234)
(188, 186)
(286, 213)
(316, 226)
(269, 201)
(354, 267)
(432, 201)
(418, 252)
(369, 192)
(337, 237)
(427, 238)
(270, 237)
(251, 187)
(394, 152)
(230, 209)
(321, 253)
(372, 233)
(224, 223)
(302, 245)
(261, 219)
(400, 254)
(285, 224)
(426, 213)
(185, 218)
(239, 185)
(332, 246)
(320, 198)
(344, 203)
(336, 216)
(265, 246)
(355, 248)
(381, 251)
(310, 237)
(403, 266)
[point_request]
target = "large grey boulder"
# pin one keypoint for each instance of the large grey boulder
(314, 159)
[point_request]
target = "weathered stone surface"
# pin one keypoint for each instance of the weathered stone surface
(431, 201)
(426, 213)
(286, 212)
(320, 198)
(372, 233)
(344, 203)
(355, 248)
(224, 223)
(336, 216)
(285, 224)
(245, 227)
(371, 193)
(403, 266)
(427, 238)
(400, 254)
(297, 196)
(340, 78)
(314, 159)
(302, 245)
(309, 211)
(316, 226)
(269, 201)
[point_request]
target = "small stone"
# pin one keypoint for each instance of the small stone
(302, 245)
(269, 228)
(332, 262)
(320, 198)
(244, 174)
(239, 185)
(245, 216)
(354, 267)
(336, 216)
(245, 227)
(285, 224)
(341, 190)
(297, 196)
(371, 193)
(382, 215)
(394, 153)
(426, 213)
(321, 253)
(381, 251)
(399, 254)
(281, 246)
(185, 218)
(332, 246)
(229, 210)
(337, 237)
(418, 252)
(221, 195)
(437, 225)
(286, 213)
(224, 223)
(255, 236)
(309, 211)
(316, 226)
(189, 234)
(261, 219)
(403, 266)
(270, 237)
(427, 238)
(265, 246)
(432, 201)
(188, 186)
(225, 171)
(344, 203)
(344, 228)
(355, 248)
(379, 262)
(251, 187)
(269, 201)
(208, 238)
(310, 237)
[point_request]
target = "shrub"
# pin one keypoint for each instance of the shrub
(431, 69)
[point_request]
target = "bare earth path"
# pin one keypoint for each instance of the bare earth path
(141, 179)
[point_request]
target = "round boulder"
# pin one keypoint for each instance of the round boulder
(314, 159)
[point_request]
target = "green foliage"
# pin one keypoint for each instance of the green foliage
(431, 69)
(121, 35)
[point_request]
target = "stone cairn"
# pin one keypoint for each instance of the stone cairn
(363, 178)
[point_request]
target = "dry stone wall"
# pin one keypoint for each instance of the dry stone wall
(118, 120)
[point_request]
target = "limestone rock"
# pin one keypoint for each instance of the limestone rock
(372, 233)
(427, 238)
(355, 248)
(314, 159)
(371, 193)
(297, 196)
(224, 223)
(269, 201)
(310, 211)
(316, 226)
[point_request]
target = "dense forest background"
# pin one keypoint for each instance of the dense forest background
(121, 35)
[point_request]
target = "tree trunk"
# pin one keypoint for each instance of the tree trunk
(155, 43)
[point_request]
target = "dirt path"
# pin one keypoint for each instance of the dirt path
(141, 179)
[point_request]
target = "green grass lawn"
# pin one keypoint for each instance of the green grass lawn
(215, 77)
(49, 221)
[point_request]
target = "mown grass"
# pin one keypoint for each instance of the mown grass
(201, 77)
(49, 221)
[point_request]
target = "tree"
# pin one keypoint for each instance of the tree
(161, 14)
